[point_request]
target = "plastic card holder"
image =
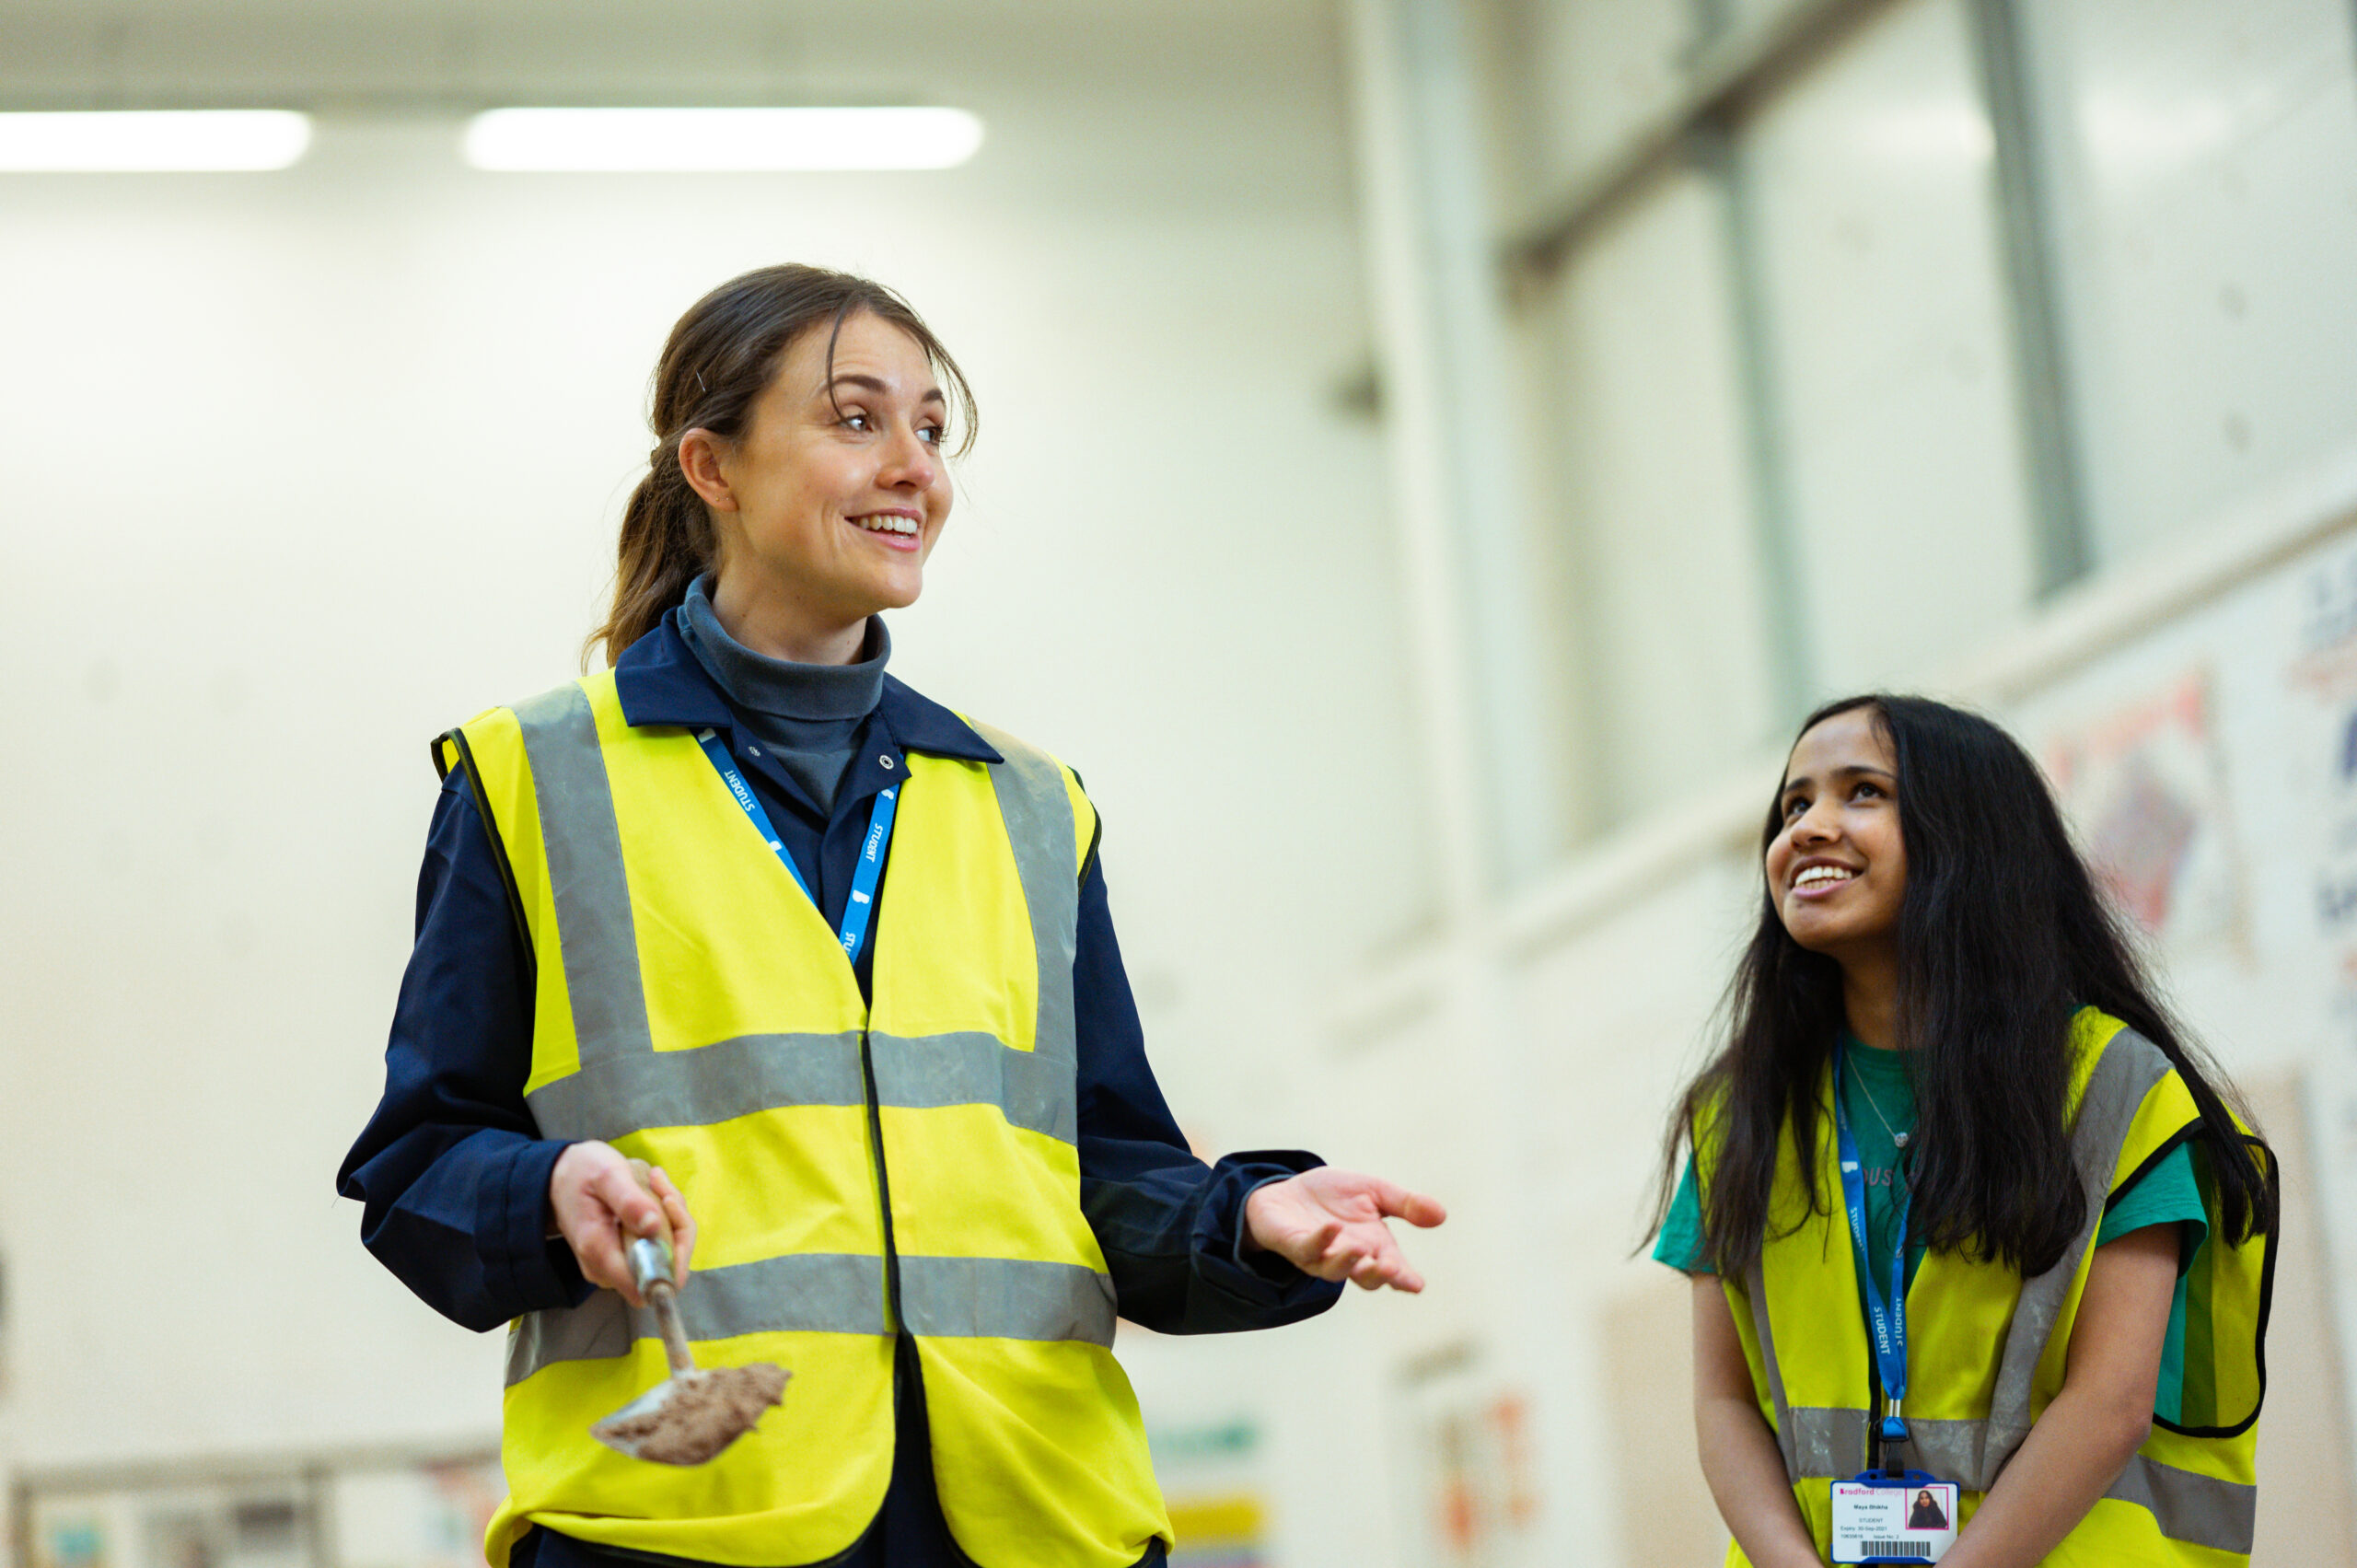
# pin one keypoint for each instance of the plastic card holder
(1881, 1517)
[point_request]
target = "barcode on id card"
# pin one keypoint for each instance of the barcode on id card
(1893, 1548)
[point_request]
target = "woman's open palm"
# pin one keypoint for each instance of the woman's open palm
(1331, 1223)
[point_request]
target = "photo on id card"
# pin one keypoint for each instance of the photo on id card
(1881, 1518)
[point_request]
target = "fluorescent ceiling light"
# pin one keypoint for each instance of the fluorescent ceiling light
(152, 141)
(683, 140)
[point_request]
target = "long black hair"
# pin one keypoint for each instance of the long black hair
(2003, 935)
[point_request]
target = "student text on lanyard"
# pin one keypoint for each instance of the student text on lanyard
(863, 879)
(1885, 1319)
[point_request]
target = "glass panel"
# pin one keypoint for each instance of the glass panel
(1600, 69)
(1872, 218)
(2204, 166)
(1651, 432)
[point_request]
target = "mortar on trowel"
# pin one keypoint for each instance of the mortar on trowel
(691, 1415)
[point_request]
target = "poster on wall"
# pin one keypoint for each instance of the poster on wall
(1475, 1494)
(2144, 787)
(2321, 682)
(181, 1536)
(72, 1539)
(2319, 692)
(226, 1527)
(1210, 1481)
(461, 1500)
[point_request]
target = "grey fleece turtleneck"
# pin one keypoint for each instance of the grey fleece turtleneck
(807, 715)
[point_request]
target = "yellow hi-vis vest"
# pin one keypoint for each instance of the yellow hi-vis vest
(857, 1171)
(1986, 1348)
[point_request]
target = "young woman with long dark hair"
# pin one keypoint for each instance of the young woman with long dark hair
(744, 944)
(1963, 1208)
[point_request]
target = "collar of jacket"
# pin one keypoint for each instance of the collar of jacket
(659, 681)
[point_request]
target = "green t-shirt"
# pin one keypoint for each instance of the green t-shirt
(1878, 1093)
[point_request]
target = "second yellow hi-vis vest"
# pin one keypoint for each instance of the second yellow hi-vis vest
(1986, 1348)
(857, 1171)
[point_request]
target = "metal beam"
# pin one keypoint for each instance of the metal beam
(1490, 732)
(1729, 76)
(1775, 512)
(2050, 454)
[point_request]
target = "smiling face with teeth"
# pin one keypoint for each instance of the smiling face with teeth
(1837, 867)
(825, 508)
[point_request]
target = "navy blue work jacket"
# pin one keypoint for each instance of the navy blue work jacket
(453, 1175)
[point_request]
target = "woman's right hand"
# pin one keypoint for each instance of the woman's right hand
(601, 1199)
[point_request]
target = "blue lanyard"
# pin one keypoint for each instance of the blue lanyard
(1886, 1317)
(863, 879)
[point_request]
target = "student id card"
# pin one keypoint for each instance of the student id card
(1888, 1519)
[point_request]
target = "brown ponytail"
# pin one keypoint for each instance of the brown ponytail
(716, 363)
(666, 543)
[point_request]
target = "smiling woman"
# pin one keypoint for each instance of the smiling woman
(1959, 1195)
(828, 504)
(752, 381)
(742, 945)
(1839, 868)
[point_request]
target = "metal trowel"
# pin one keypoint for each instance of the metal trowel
(691, 1415)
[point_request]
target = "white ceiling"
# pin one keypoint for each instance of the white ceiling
(1214, 101)
(462, 49)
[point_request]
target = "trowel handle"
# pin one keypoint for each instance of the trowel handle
(650, 1260)
(650, 1265)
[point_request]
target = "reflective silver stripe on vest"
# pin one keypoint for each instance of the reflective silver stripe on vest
(1002, 1298)
(1032, 798)
(1831, 1441)
(2200, 1509)
(586, 878)
(1823, 1441)
(624, 1085)
(2115, 1090)
(1031, 1089)
(1754, 1282)
(1815, 1440)
(1956, 1450)
(836, 1292)
(824, 1292)
(711, 1084)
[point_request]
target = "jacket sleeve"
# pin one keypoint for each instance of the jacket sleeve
(1170, 1226)
(451, 1172)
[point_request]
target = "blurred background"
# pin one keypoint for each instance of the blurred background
(1431, 453)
